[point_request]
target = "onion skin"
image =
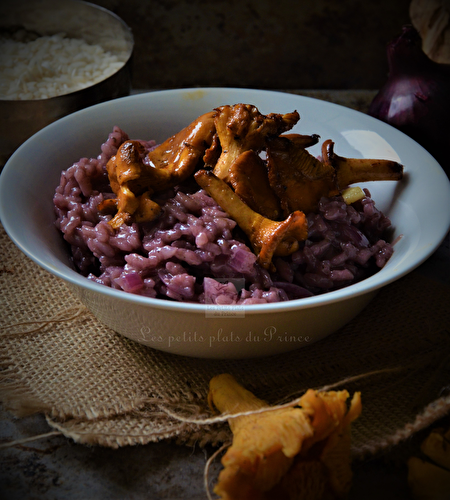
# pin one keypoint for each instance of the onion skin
(416, 97)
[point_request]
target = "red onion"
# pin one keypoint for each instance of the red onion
(416, 97)
(242, 260)
(131, 282)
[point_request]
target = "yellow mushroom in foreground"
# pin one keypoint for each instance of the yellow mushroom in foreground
(295, 452)
(429, 474)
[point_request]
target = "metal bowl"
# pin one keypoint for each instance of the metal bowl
(77, 19)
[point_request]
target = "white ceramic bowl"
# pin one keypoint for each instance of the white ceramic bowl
(417, 206)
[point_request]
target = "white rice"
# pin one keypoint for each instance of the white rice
(52, 65)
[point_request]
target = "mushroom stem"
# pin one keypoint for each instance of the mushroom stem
(352, 170)
(267, 237)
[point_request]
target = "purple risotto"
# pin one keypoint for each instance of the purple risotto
(195, 252)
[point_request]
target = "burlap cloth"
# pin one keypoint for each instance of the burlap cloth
(97, 387)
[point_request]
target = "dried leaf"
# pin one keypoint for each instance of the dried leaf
(431, 18)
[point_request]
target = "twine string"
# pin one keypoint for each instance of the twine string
(60, 317)
(227, 416)
(17, 442)
(207, 468)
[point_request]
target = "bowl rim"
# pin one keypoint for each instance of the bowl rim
(370, 284)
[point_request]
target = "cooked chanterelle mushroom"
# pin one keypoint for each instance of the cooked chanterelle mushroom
(299, 179)
(249, 178)
(134, 176)
(125, 171)
(242, 128)
(267, 237)
(241, 134)
(353, 170)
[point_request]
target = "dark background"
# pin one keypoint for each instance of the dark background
(281, 44)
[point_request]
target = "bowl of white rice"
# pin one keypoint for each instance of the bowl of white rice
(56, 57)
